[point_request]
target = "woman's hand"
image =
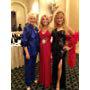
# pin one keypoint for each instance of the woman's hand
(27, 53)
(66, 48)
(27, 56)
(51, 56)
(51, 40)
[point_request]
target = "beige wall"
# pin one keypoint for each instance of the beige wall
(20, 13)
(73, 14)
(70, 7)
(44, 7)
(22, 8)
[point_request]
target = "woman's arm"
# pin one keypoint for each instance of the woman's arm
(27, 53)
(24, 42)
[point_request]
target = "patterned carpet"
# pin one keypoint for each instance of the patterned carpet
(72, 78)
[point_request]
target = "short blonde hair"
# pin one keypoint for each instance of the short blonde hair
(30, 15)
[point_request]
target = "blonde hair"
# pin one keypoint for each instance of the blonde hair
(55, 24)
(42, 18)
(30, 15)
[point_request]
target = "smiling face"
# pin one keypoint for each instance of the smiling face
(32, 20)
(44, 20)
(59, 19)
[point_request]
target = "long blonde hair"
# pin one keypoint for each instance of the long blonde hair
(59, 12)
(41, 24)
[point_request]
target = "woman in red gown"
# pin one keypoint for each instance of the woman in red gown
(45, 53)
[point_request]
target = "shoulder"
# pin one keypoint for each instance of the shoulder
(27, 28)
(69, 30)
(26, 25)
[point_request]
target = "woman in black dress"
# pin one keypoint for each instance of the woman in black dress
(58, 52)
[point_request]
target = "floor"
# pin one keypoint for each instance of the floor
(72, 78)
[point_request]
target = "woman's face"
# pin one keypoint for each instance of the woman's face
(60, 19)
(32, 20)
(44, 21)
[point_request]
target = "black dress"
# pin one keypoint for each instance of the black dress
(58, 53)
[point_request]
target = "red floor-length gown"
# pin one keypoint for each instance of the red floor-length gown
(72, 41)
(45, 61)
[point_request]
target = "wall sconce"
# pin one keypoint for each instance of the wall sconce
(52, 6)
